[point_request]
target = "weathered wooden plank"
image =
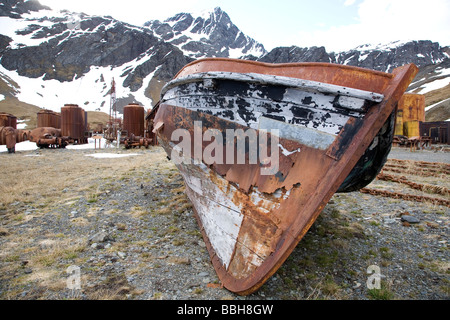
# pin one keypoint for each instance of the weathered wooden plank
(304, 85)
(303, 135)
(320, 113)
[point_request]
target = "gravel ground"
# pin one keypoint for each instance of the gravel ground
(126, 228)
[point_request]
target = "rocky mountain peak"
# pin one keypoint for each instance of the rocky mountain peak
(207, 34)
(15, 8)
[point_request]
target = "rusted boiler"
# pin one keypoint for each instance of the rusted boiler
(133, 126)
(8, 138)
(48, 137)
(48, 118)
(73, 123)
(133, 120)
(8, 120)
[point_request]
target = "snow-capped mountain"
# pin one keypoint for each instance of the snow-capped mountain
(382, 57)
(433, 79)
(211, 34)
(50, 58)
(64, 57)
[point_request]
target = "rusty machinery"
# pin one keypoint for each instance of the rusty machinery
(48, 119)
(9, 134)
(150, 123)
(48, 137)
(57, 130)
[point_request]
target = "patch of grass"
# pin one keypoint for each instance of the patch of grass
(335, 213)
(327, 259)
(163, 211)
(93, 198)
(386, 253)
(178, 242)
(384, 293)
(12, 258)
(330, 287)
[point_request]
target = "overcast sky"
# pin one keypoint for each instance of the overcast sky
(336, 24)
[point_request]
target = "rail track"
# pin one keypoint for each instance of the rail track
(405, 172)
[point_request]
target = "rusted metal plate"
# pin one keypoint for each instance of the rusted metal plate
(253, 213)
(346, 76)
(48, 118)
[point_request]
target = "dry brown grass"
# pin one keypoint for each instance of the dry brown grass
(38, 182)
(22, 110)
(30, 179)
(441, 112)
(96, 117)
(435, 96)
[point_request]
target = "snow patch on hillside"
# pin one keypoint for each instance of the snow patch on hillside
(437, 83)
(90, 92)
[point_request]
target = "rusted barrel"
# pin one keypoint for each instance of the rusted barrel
(133, 119)
(8, 138)
(73, 120)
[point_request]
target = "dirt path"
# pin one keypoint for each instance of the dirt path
(126, 225)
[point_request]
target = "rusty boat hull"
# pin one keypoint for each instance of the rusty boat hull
(328, 125)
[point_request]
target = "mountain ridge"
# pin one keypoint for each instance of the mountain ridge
(64, 57)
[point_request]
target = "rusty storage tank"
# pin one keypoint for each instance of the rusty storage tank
(8, 138)
(133, 119)
(410, 112)
(8, 120)
(48, 118)
(73, 121)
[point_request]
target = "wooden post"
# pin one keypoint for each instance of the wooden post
(99, 142)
